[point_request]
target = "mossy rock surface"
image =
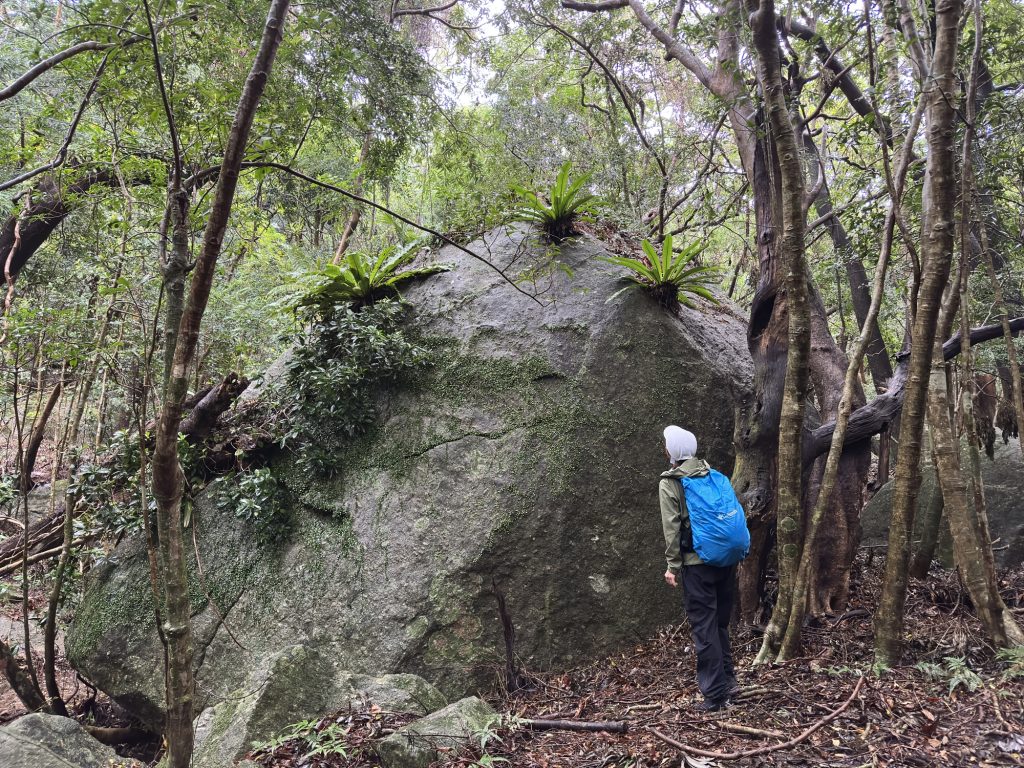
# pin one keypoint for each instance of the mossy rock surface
(49, 741)
(293, 685)
(527, 456)
(418, 744)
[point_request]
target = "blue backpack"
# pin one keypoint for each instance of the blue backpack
(720, 535)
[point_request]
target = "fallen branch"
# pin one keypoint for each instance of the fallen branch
(45, 534)
(203, 418)
(612, 726)
(38, 557)
(761, 750)
(746, 730)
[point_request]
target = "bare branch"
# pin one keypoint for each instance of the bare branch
(396, 12)
(63, 151)
(400, 217)
(603, 5)
(172, 127)
(47, 64)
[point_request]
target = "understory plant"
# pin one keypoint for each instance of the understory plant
(340, 360)
(568, 203)
(670, 276)
(314, 738)
(257, 496)
(362, 279)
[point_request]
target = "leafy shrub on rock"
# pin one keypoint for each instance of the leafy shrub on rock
(362, 279)
(340, 360)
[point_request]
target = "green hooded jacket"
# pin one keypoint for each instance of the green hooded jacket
(675, 521)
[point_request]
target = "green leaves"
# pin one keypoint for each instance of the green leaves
(336, 368)
(569, 202)
(668, 275)
(362, 280)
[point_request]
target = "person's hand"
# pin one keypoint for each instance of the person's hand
(670, 579)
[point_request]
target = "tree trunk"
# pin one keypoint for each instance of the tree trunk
(789, 527)
(167, 476)
(936, 252)
(356, 215)
(19, 680)
(857, 279)
(964, 508)
(931, 528)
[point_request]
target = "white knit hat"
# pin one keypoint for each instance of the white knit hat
(679, 443)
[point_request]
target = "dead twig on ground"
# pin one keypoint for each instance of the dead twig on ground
(612, 726)
(746, 730)
(762, 750)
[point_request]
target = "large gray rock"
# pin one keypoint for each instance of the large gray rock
(526, 457)
(1004, 487)
(48, 741)
(420, 743)
(298, 684)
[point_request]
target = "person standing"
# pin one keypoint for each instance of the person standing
(708, 589)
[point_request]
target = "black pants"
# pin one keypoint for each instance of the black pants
(708, 603)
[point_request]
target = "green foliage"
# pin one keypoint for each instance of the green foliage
(954, 669)
(338, 365)
(362, 279)
(569, 203)
(8, 490)
(668, 276)
(257, 496)
(485, 736)
(318, 738)
(109, 489)
(1013, 657)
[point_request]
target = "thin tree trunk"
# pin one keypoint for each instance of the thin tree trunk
(967, 522)
(70, 439)
(167, 476)
(936, 250)
(963, 492)
(856, 276)
(1016, 388)
(356, 215)
(20, 681)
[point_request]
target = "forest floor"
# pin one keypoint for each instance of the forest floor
(953, 704)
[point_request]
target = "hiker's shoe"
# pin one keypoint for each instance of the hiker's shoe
(734, 690)
(712, 705)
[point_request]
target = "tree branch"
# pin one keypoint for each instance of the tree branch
(47, 64)
(389, 212)
(876, 416)
(603, 5)
(63, 151)
(396, 12)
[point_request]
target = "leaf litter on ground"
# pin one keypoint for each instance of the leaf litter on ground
(910, 716)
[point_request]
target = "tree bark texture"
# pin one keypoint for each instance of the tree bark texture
(857, 279)
(964, 507)
(20, 682)
(931, 528)
(939, 201)
(789, 525)
(167, 475)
